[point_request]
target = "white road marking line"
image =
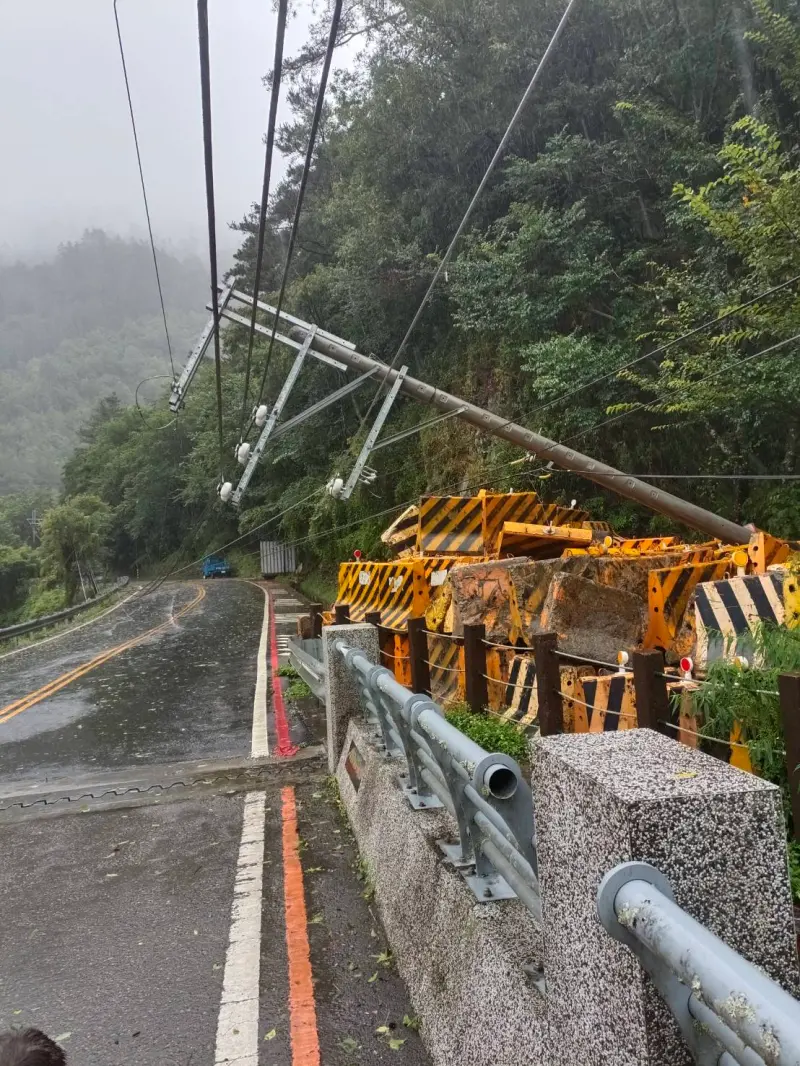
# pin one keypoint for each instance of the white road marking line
(237, 1026)
(259, 746)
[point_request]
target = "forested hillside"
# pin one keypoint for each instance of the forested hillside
(76, 329)
(651, 185)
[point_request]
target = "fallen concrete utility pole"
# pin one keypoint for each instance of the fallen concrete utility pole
(558, 454)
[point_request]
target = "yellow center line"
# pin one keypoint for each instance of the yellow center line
(22, 704)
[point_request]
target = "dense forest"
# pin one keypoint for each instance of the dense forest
(76, 329)
(651, 186)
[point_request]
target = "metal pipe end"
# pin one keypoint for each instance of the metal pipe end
(501, 781)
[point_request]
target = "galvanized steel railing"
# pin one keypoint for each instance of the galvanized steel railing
(306, 657)
(485, 792)
(728, 1009)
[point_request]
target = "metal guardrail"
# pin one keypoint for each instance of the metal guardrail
(59, 616)
(728, 1010)
(306, 657)
(485, 792)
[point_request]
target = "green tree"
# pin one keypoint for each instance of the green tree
(73, 538)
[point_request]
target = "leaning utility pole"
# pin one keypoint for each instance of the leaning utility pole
(542, 447)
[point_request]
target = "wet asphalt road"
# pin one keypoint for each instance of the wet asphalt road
(116, 922)
(184, 693)
(124, 949)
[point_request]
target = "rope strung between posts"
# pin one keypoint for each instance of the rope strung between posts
(301, 192)
(706, 736)
(208, 156)
(277, 69)
(593, 706)
(499, 152)
(447, 669)
(144, 190)
(581, 659)
(507, 647)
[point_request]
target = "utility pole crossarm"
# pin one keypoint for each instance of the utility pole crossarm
(186, 376)
(549, 450)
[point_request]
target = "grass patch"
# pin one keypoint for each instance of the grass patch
(320, 586)
(287, 670)
(490, 733)
(298, 690)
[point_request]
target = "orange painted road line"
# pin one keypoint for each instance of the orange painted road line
(302, 1008)
(23, 703)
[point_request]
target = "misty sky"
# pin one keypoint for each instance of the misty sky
(69, 159)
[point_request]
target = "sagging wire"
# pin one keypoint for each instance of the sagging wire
(144, 188)
(312, 140)
(208, 156)
(280, 32)
(499, 152)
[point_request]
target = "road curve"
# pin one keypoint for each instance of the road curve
(168, 677)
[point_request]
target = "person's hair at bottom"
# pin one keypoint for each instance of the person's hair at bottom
(29, 1047)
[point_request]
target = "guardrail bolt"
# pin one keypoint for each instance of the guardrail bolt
(487, 893)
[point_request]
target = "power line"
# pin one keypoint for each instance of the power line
(499, 152)
(144, 189)
(205, 89)
(639, 406)
(326, 66)
(669, 344)
(262, 219)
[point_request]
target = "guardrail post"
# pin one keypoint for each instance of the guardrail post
(418, 654)
(343, 689)
(789, 691)
(548, 684)
(315, 613)
(341, 614)
(652, 698)
(373, 618)
(475, 689)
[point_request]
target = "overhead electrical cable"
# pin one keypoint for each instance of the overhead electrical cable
(144, 188)
(312, 139)
(499, 152)
(208, 153)
(669, 344)
(280, 32)
(641, 406)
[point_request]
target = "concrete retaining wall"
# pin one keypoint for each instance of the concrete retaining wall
(462, 961)
(717, 834)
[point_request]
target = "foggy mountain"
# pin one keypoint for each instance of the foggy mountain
(77, 328)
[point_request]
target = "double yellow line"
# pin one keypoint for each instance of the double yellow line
(22, 704)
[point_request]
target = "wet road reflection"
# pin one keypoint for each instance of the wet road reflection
(183, 692)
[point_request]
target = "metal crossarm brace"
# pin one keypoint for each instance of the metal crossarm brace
(181, 386)
(237, 294)
(274, 415)
(320, 405)
(369, 443)
(416, 429)
(232, 316)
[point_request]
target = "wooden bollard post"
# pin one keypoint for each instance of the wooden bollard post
(548, 684)
(789, 692)
(341, 614)
(652, 698)
(418, 654)
(373, 617)
(475, 687)
(315, 611)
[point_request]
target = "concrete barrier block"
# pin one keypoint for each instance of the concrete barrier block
(342, 698)
(717, 833)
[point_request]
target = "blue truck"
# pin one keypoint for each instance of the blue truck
(216, 566)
